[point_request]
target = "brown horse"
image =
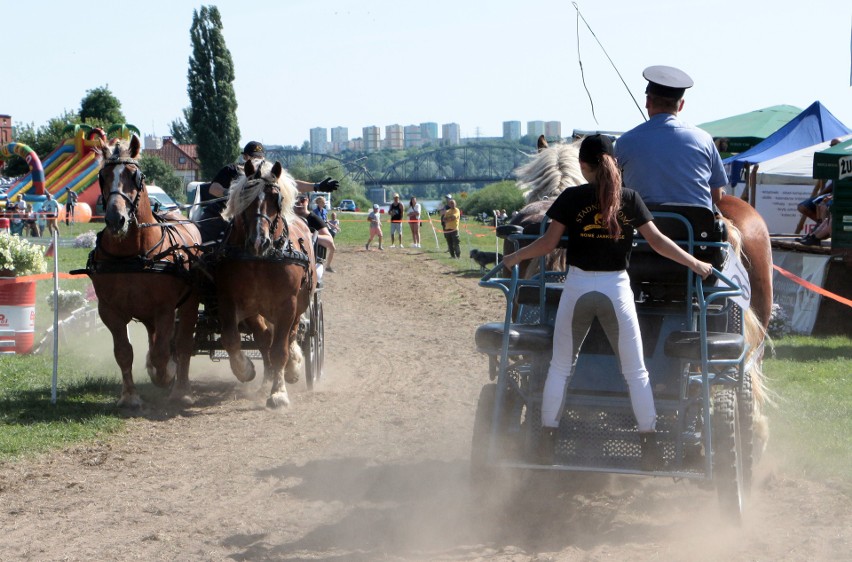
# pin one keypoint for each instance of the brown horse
(557, 168)
(265, 277)
(140, 271)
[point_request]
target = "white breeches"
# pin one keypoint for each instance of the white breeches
(607, 296)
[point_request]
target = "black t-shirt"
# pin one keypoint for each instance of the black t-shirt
(590, 246)
(224, 178)
(315, 223)
(395, 211)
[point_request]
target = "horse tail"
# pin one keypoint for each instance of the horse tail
(756, 337)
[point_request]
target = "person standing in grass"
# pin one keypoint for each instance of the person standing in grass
(452, 217)
(375, 218)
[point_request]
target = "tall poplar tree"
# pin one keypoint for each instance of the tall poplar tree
(213, 104)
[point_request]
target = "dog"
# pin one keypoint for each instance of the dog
(485, 258)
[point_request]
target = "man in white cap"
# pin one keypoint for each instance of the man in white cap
(665, 159)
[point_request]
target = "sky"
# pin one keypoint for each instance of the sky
(327, 63)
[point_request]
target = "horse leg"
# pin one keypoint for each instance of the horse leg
(295, 359)
(184, 345)
(278, 355)
(123, 352)
(241, 365)
(262, 334)
(161, 367)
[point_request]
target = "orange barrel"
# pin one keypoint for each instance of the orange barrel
(4, 225)
(17, 313)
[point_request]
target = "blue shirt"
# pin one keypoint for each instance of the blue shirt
(669, 161)
(322, 213)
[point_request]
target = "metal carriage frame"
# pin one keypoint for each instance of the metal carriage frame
(695, 351)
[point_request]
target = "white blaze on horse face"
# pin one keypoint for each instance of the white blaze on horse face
(259, 235)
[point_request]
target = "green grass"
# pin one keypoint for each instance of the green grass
(811, 422)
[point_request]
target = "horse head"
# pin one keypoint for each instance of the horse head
(122, 186)
(260, 204)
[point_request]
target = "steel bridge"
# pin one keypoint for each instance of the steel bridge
(473, 164)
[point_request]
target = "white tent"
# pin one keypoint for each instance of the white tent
(794, 168)
(784, 181)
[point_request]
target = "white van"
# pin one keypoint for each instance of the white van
(160, 200)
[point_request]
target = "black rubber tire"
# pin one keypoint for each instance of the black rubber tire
(727, 453)
(319, 339)
(745, 404)
(482, 474)
(309, 350)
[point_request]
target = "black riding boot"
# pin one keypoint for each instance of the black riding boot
(652, 457)
(547, 445)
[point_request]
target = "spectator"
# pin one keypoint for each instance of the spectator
(396, 212)
(70, 203)
(319, 208)
(444, 210)
(333, 224)
(414, 221)
(452, 217)
(316, 224)
(808, 207)
(51, 210)
(822, 230)
(375, 218)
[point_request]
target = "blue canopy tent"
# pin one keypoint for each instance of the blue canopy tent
(814, 125)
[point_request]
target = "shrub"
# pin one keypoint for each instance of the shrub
(18, 257)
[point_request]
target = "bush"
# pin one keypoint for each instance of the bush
(86, 240)
(501, 195)
(18, 257)
(68, 301)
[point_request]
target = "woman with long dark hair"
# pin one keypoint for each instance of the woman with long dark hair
(599, 219)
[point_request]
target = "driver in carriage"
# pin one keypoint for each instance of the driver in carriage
(665, 159)
(215, 194)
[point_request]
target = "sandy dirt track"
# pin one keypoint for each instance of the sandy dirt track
(373, 464)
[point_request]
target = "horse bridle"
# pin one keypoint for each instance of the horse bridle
(138, 180)
(273, 223)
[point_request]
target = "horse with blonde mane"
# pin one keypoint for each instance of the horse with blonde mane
(556, 168)
(140, 271)
(265, 276)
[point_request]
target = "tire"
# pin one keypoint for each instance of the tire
(727, 453)
(745, 405)
(309, 350)
(319, 339)
(482, 474)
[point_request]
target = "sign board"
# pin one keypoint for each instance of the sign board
(778, 205)
(800, 304)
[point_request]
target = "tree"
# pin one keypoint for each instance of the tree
(180, 130)
(213, 104)
(496, 196)
(100, 105)
(158, 172)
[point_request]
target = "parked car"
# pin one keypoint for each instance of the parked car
(160, 200)
(347, 205)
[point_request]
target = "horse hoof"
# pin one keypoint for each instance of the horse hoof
(130, 401)
(183, 398)
(278, 400)
(291, 378)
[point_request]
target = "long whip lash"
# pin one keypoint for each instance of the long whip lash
(580, 61)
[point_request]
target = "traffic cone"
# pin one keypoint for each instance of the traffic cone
(51, 250)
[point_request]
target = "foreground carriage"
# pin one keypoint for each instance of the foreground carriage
(694, 347)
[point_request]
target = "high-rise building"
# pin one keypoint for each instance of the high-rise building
(153, 142)
(356, 145)
(512, 130)
(413, 136)
(535, 128)
(339, 139)
(394, 137)
(450, 133)
(319, 140)
(429, 133)
(372, 138)
(553, 129)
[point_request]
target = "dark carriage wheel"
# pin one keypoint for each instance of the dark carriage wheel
(745, 404)
(727, 453)
(309, 350)
(482, 474)
(319, 338)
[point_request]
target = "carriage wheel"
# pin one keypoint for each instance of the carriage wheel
(309, 350)
(481, 473)
(319, 341)
(727, 453)
(745, 403)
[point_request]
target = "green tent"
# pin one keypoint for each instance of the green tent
(739, 133)
(834, 163)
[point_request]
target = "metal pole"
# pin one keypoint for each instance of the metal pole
(55, 315)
